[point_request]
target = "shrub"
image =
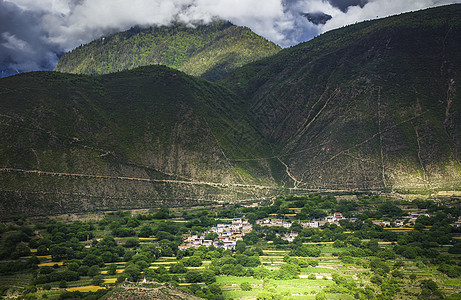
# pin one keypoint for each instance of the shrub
(245, 286)
(63, 284)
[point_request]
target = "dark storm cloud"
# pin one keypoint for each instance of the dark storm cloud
(33, 33)
(343, 5)
(317, 18)
(22, 43)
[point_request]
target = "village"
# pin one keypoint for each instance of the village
(227, 235)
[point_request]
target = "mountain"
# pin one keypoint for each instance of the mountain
(372, 106)
(209, 51)
(138, 138)
(376, 105)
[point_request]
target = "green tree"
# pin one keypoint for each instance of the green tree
(209, 276)
(132, 273)
(94, 270)
(112, 269)
(245, 286)
(193, 276)
(97, 280)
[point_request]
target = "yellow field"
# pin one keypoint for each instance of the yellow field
(33, 250)
(50, 264)
(385, 243)
(118, 271)
(83, 289)
(110, 280)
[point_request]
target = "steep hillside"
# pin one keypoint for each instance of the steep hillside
(373, 105)
(131, 139)
(210, 51)
(150, 291)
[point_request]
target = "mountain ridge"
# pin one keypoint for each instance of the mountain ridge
(335, 81)
(369, 107)
(207, 50)
(131, 139)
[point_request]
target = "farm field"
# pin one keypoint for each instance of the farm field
(49, 258)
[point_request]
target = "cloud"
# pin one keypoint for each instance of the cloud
(33, 34)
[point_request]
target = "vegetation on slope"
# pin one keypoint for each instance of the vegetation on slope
(132, 138)
(371, 105)
(210, 51)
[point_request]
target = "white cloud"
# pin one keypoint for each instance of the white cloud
(13, 43)
(53, 26)
(377, 9)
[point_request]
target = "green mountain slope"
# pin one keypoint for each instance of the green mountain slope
(373, 105)
(138, 138)
(210, 51)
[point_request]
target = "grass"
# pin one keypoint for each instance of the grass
(16, 280)
(317, 270)
(296, 288)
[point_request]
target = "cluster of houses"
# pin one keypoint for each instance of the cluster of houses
(335, 218)
(273, 222)
(227, 235)
(399, 222)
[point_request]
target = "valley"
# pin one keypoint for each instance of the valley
(376, 248)
(202, 161)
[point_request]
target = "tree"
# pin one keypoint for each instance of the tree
(83, 270)
(63, 284)
(288, 271)
(430, 290)
(94, 270)
(146, 231)
(91, 260)
(240, 246)
(131, 243)
(390, 209)
(112, 269)
(193, 276)
(211, 236)
(245, 286)
(321, 296)
(178, 268)
(193, 261)
(132, 273)
(209, 276)
(97, 280)
(73, 266)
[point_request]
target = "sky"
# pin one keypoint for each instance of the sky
(35, 33)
